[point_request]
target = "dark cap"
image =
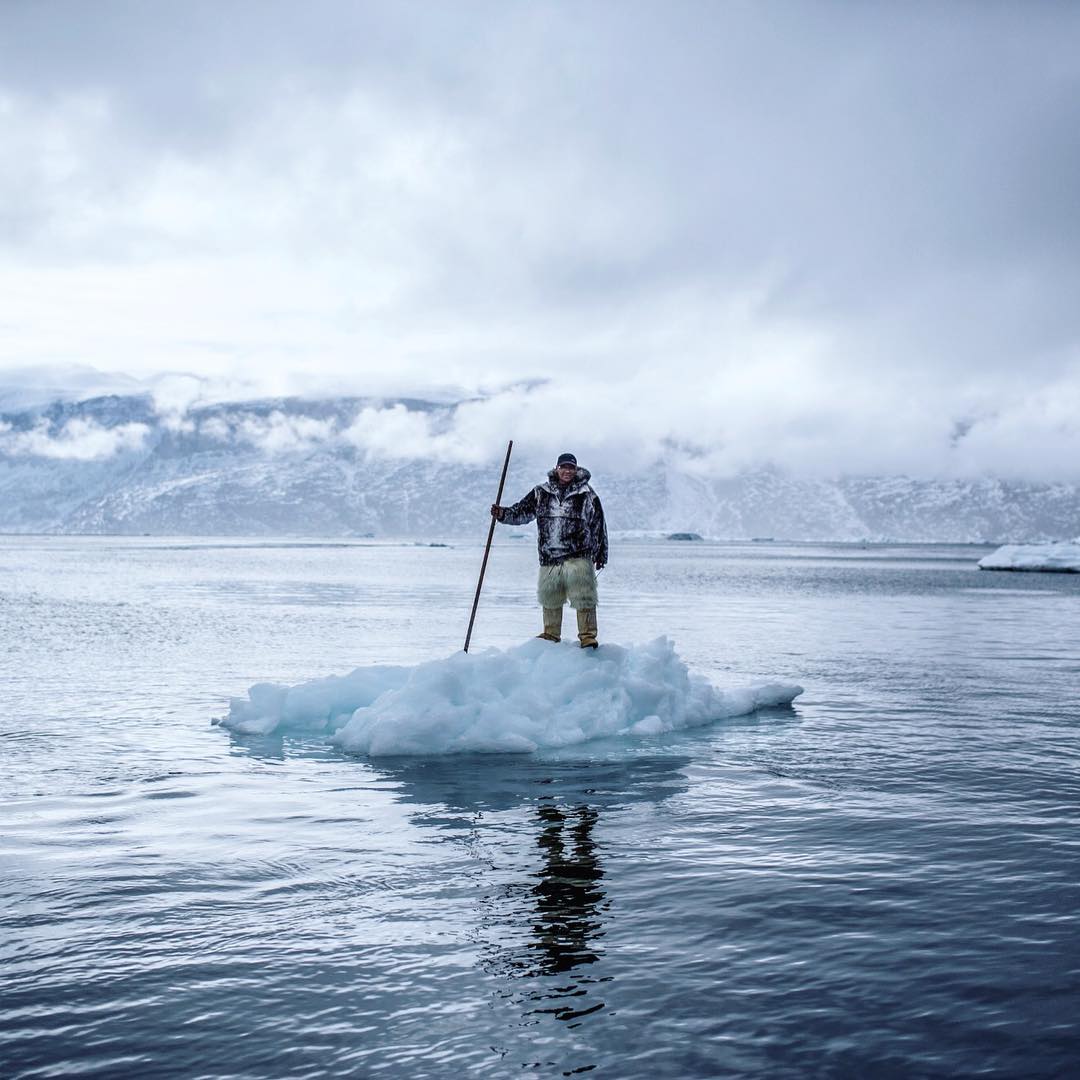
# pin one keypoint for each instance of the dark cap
(566, 459)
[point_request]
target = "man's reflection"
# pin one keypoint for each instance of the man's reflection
(564, 907)
(542, 904)
(568, 895)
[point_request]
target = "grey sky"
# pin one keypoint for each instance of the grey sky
(818, 234)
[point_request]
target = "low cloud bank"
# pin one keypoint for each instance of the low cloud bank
(76, 440)
(719, 427)
(715, 427)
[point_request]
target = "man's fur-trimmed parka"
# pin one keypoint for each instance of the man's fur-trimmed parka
(569, 520)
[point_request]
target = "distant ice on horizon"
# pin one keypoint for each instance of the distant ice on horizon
(530, 697)
(1061, 557)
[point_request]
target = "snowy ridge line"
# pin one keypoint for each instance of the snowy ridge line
(1062, 557)
(531, 697)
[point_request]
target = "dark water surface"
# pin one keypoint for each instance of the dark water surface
(883, 880)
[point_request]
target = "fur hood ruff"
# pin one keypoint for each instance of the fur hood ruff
(579, 483)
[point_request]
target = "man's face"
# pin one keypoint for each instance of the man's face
(566, 473)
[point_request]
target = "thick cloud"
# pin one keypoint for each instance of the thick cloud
(834, 237)
(77, 440)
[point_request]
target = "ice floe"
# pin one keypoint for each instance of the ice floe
(533, 696)
(1062, 556)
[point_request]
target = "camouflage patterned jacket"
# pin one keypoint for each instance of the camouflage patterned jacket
(569, 521)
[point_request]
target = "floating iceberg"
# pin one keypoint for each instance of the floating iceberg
(534, 696)
(1062, 557)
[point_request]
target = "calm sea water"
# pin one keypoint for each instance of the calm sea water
(883, 880)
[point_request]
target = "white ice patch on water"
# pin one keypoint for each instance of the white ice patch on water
(534, 696)
(1063, 556)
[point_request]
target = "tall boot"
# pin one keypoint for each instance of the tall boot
(586, 627)
(552, 624)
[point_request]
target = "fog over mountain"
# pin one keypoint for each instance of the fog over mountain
(357, 466)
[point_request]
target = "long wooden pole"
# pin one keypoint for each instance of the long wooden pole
(487, 547)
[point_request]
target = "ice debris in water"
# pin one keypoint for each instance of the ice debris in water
(536, 695)
(1062, 555)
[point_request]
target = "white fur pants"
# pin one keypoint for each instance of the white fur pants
(572, 580)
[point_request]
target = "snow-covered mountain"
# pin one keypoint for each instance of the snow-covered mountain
(116, 464)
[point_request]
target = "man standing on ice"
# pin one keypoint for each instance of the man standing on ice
(572, 539)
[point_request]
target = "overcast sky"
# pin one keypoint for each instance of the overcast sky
(834, 236)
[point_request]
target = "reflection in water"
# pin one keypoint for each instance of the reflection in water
(477, 784)
(542, 937)
(568, 894)
(534, 828)
(541, 912)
